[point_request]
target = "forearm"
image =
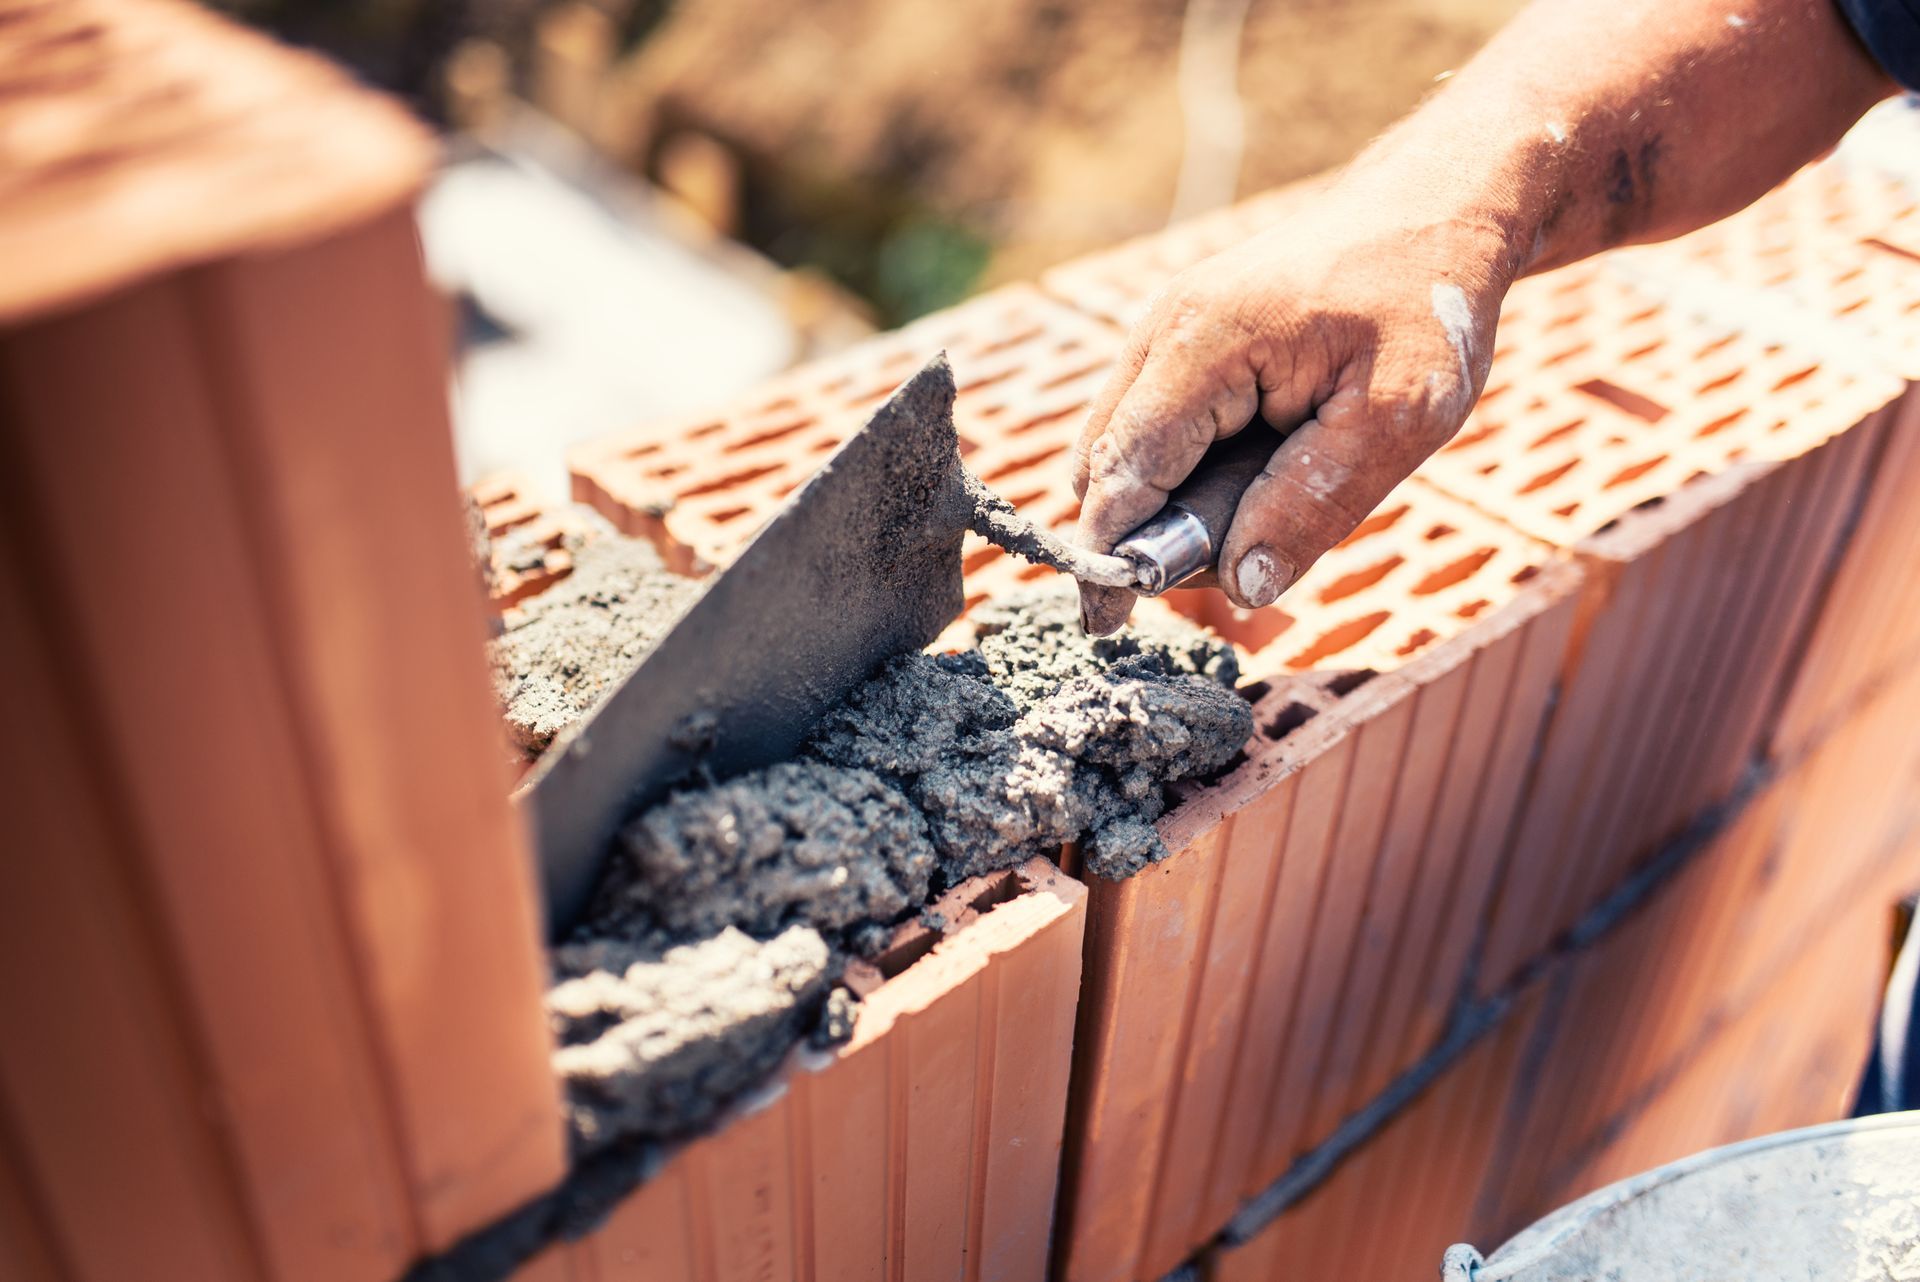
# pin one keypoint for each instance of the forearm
(1585, 125)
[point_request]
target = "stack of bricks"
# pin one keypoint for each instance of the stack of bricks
(1664, 559)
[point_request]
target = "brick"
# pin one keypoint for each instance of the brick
(1118, 284)
(1232, 989)
(1707, 564)
(1833, 834)
(700, 487)
(1395, 1206)
(222, 370)
(151, 134)
(506, 506)
(927, 1146)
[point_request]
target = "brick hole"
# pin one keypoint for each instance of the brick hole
(1344, 637)
(1345, 683)
(1545, 478)
(1523, 574)
(1714, 346)
(915, 941)
(831, 443)
(766, 435)
(1469, 439)
(1250, 630)
(1720, 424)
(1645, 350)
(1634, 471)
(1287, 720)
(1775, 280)
(1456, 571)
(1797, 377)
(727, 514)
(1646, 313)
(1044, 420)
(642, 451)
(1013, 339)
(1888, 247)
(730, 481)
(1028, 573)
(1566, 354)
(982, 556)
(665, 470)
(1561, 321)
(1472, 609)
(1360, 580)
(1854, 306)
(1420, 640)
(1255, 691)
(1494, 392)
(1714, 385)
(1076, 372)
(974, 385)
(1851, 274)
(1558, 433)
(1439, 531)
(1382, 518)
(705, 429)
(1024, 461)
(781, 403)
(900, 360)
(1641, 407)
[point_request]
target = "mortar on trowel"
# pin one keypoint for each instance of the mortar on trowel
(862, 563)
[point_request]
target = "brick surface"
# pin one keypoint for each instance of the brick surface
(1118, 284)
(927, 1146)
(1305, 942)
(1395, 1207)
(1829, 840)
(1025, 366)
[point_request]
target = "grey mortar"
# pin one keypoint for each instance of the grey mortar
(654, 1042)
(566, 648)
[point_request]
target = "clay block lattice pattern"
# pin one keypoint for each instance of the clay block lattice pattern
(1707, 483)
(700, 488)
(1306, 941)
(927, 1146)
(1118, 284)
(1839, 244)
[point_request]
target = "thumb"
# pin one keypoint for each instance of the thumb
(1319, 485)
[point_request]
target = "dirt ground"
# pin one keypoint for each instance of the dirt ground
(1046, 128)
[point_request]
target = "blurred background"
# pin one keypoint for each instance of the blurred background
(650, 205)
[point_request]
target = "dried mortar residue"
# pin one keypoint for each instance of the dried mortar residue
(565, 649)
(939, 768)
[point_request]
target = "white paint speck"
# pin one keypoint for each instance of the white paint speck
(1456, 321)
(1557, 132)
(1735, 21)
(1258, 577)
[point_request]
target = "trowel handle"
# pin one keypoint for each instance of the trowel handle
(1185, 538)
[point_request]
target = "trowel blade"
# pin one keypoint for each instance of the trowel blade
(862, 563)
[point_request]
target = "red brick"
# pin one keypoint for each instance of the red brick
(1232, 988)
(927, 1146)
(700, 487)
(1118, 284)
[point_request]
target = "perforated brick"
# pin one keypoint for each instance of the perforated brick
(926, 1146)
(536, 559)
(700, 487)
(1603, 397)
(1307, 939)
(1118, 284)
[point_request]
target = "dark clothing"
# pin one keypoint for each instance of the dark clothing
(1891, 31)
(1891, 1083)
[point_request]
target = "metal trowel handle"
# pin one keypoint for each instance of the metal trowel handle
(1185, 538)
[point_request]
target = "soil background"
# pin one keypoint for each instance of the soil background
(1047, 129)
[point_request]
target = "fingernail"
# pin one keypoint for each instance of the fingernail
(1262, 577)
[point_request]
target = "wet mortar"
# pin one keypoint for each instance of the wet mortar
(717, 940)
(562, 651)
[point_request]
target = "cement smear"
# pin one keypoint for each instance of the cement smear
(566, 648)
(655, 1042)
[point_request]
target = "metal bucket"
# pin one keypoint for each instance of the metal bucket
(1830, 1203)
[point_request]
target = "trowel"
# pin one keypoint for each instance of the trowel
(860, 564)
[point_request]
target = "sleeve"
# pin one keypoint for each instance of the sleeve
(1891, 31)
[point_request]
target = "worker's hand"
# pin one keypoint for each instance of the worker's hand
(1371, 333)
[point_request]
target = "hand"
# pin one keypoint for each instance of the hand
(1370, 333)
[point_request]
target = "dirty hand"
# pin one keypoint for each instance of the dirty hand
(1369, 333)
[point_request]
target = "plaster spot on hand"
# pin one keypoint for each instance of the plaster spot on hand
(1735, 21)
(1258, 577)
(1324, 482)
(1456, 321)
(1557, 132)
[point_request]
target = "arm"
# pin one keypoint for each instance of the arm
(1368, 319)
